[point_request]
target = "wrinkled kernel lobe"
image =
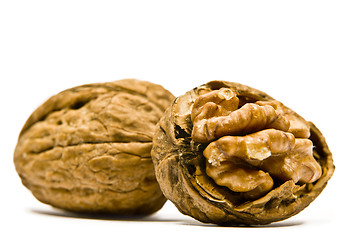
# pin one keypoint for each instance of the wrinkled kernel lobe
(265, 135)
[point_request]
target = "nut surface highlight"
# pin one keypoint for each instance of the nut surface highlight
(226, 153)
(87, 149)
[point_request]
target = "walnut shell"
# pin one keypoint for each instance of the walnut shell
(180, 168)
(87, 149)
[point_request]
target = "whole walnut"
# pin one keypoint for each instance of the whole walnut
(229, 154)
(87, 149)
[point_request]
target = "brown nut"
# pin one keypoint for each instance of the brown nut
(226, 153)
(87, 149)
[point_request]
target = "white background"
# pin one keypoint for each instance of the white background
(304, 53)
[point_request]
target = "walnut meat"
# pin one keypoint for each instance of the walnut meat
(226, 153)
(87, 149)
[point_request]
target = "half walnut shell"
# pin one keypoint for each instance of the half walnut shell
(87, 149)
(226, 153)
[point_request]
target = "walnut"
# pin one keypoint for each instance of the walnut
(226, 153)
(87, 149)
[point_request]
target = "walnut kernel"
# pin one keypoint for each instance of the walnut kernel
(274, 149)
